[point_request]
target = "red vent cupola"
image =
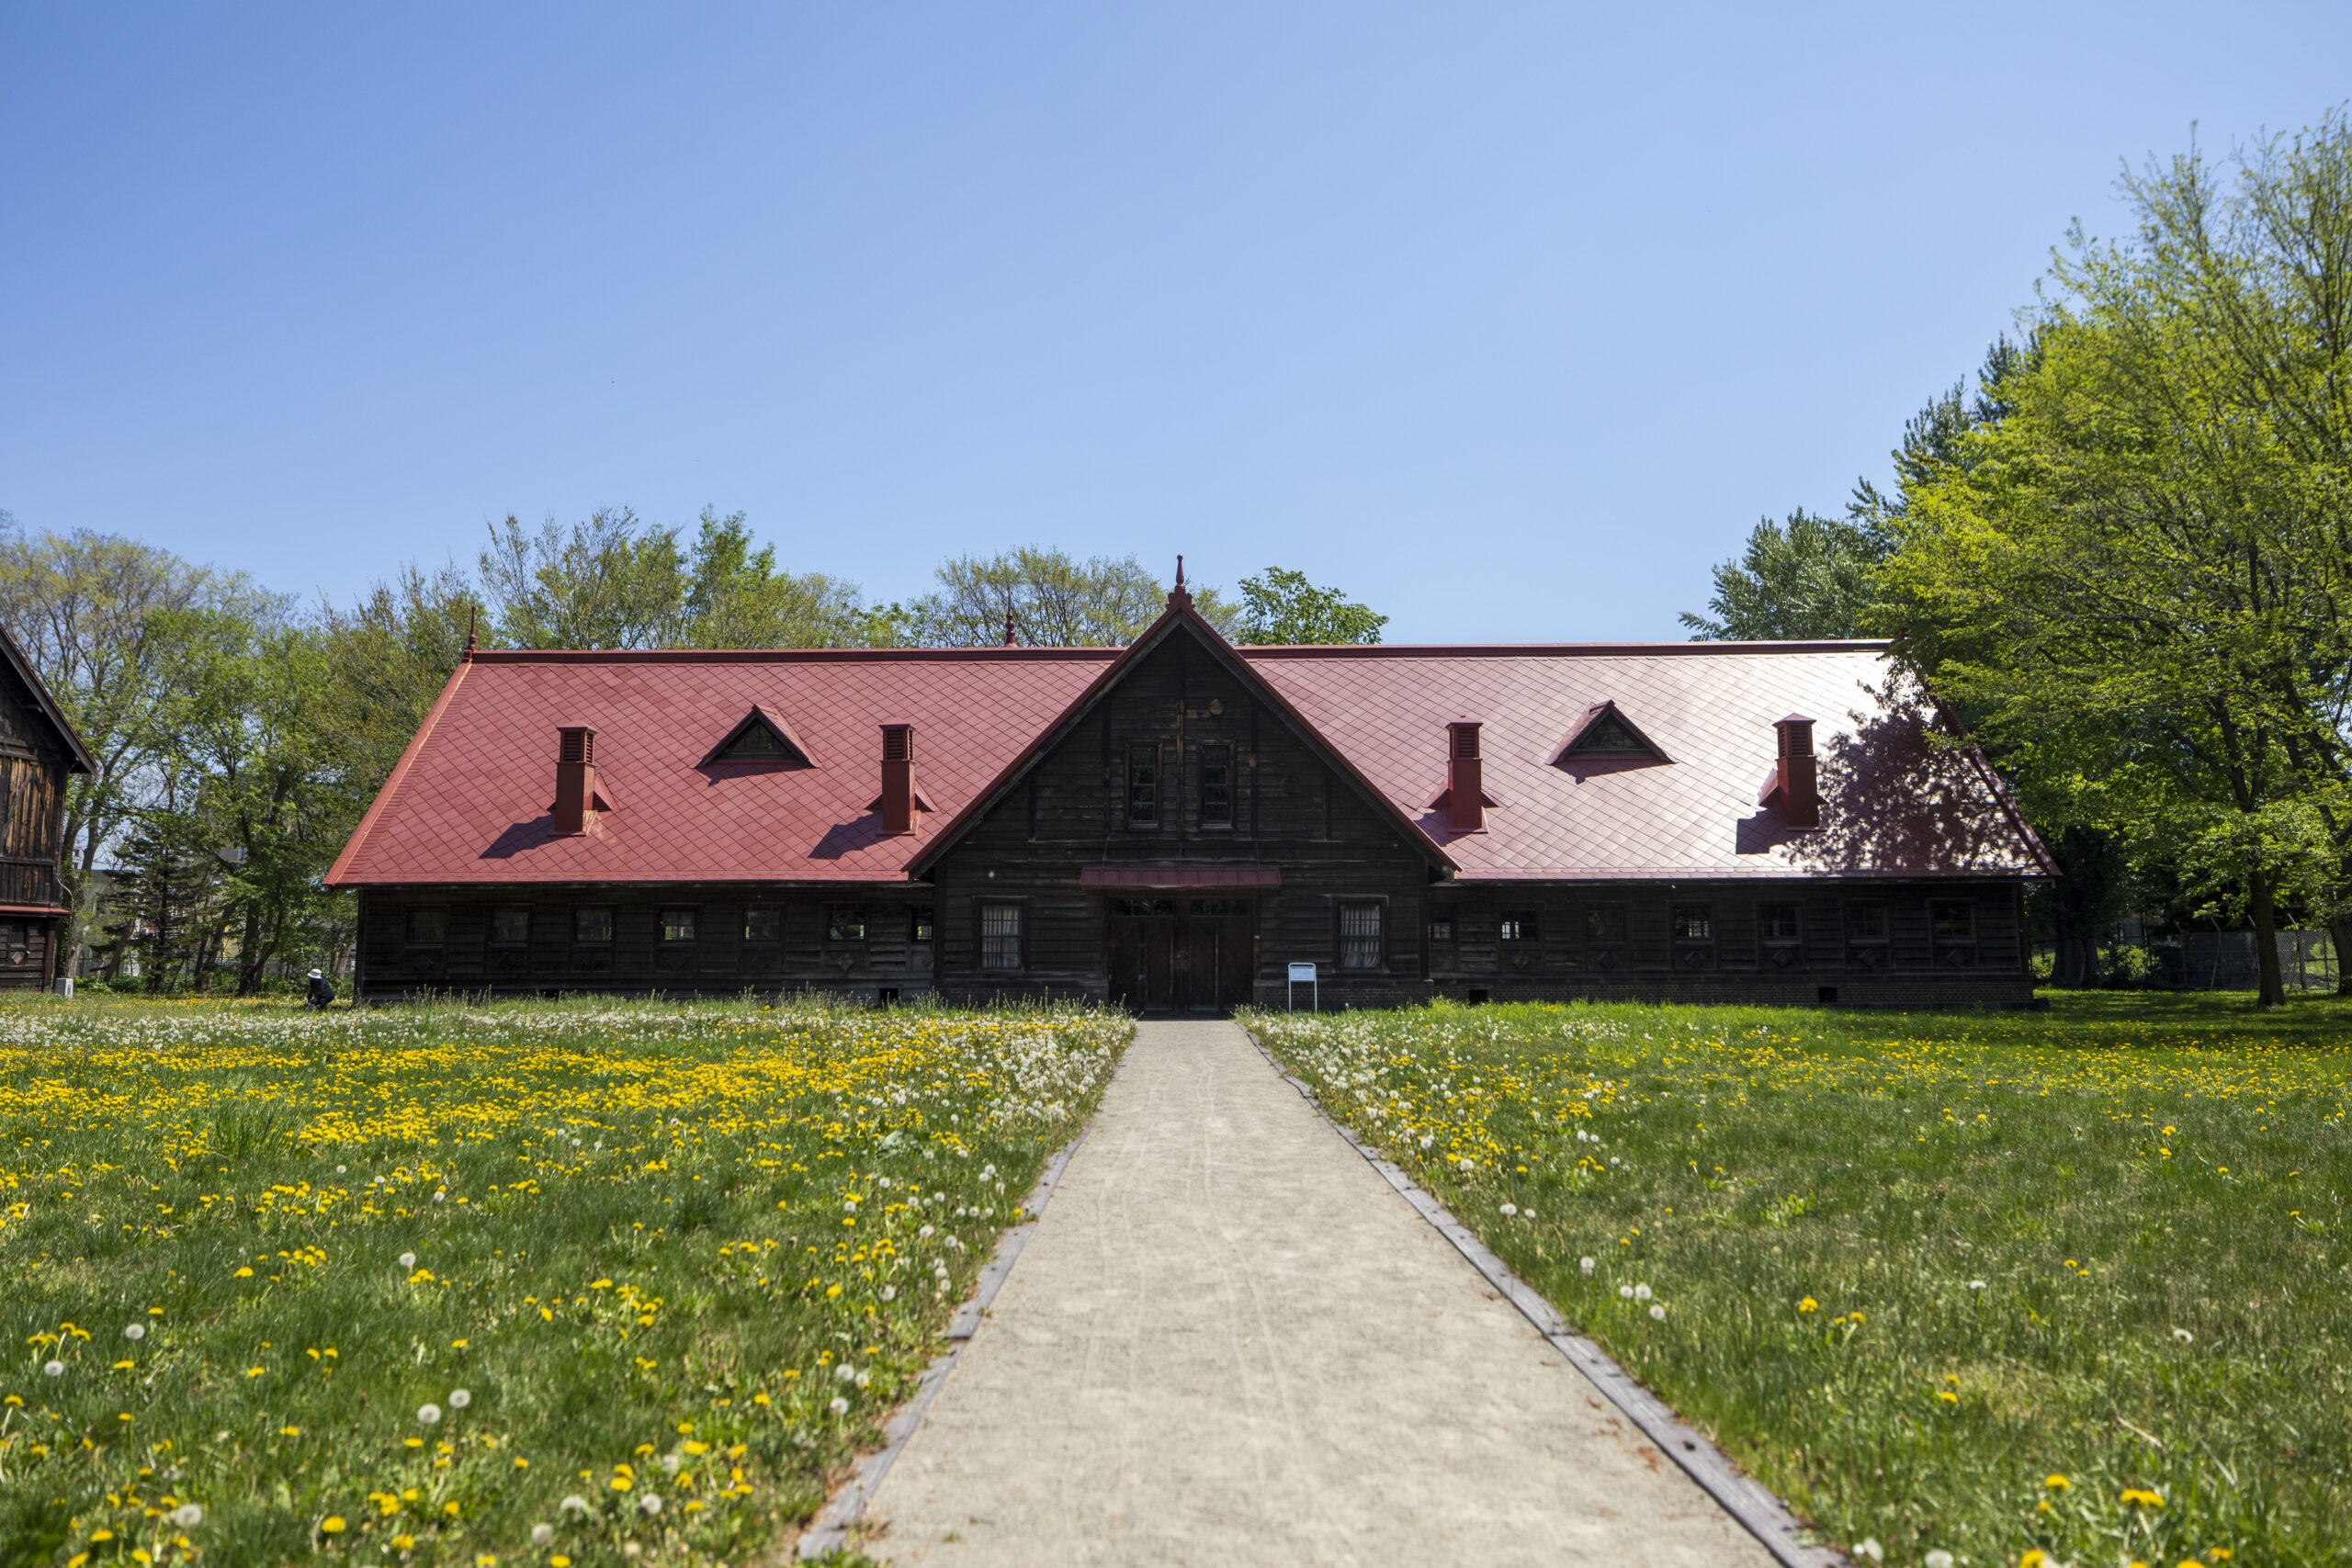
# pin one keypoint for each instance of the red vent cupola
(575, 777)
(1794, 785)
(1465, 778)
(898, 778)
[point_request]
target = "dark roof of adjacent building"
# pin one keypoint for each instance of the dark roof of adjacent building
(77, 755)
(1671, 794)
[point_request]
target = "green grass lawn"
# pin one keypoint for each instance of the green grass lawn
(2072, 1287)
(550, 1283)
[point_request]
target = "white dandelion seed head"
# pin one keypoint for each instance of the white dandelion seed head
(187, 1516)
(1657, 1313)
(1939, 1557)
(459, 1398)
(650, 1502)
(1583, 1136)
(669, 1464)
(52, 1368)
(134, 1331)
(428, 1415)
(1976, 1284)
(839, 1407)
(889, 1292)
(1468, 1165)
(576, 1504)
(1641, 1293)
(542, 1534)
(924, 1234)
(1870, 1547)
(1587, 1264)
(2185, 1336)
(408, 1260)
(864, 1378)
(1507, 1210)
(1614, 1160)
(339, 1169)
(440, 1195)
(844, 1371)
(1428, 1141)
(1627, 1292)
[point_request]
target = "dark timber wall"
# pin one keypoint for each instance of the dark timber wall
(32, 799)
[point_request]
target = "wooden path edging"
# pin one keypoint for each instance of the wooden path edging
(1742, 1496)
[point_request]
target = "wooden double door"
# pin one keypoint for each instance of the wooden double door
(1182, 954)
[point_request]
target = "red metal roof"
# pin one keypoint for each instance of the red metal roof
(1891, 805)
(468, 803)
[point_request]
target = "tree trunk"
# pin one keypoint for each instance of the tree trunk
(2078, 904)
(2265, 941)
(250, 956)
(2340, 933)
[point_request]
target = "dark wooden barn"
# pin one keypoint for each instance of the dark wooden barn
(38, 751)
(1174, 824)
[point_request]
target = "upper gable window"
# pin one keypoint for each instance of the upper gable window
(1143, 784)
(1215, 792)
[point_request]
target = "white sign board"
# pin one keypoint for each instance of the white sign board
(1302, 972)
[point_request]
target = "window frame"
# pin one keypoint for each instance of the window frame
(775, 920)
(843, 919)
(420, 916)
(1445, 925)
(1765, 909)
(1691, 911)
(670, 918)
(1605, 912)
(986, 942)
(1376, 909)
(1205, 794)
(1952, 952)
(1869, 941)
(1148, 752)
(581, 914)
(1519, 928)
(923, 926)
(503, 912)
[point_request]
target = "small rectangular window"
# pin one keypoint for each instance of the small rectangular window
(1604, 922)
(1441, 926)
(1866, 920)
(677, 925)
(762, 922)
(1222, 909)
(918, 923)
(1000, 936)
(1954, 920)
(1359, 936)
(427, 927)
(1143, 784)
(1141, 908)
(1778, 922)
(1694, 922)
(592, 924)
(845, 923)
(1216, 787)
(510, 924)
(1521, 925)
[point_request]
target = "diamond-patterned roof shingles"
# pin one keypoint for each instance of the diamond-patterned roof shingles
(1891, 804)
(472, 802)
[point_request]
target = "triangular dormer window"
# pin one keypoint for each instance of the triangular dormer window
(761, 737)
(1605, 734)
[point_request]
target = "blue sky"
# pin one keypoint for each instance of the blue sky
(1510, 320)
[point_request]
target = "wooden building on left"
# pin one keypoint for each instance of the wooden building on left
(38, 751)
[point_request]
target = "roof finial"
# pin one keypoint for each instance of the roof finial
(1009, 639)
(468, 657)
(1180, 595)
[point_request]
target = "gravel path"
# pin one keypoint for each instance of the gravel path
(1231, 1343)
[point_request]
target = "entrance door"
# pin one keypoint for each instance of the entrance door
(1180, 954)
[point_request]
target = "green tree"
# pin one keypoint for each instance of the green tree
(735, 597)
(1282, 608)
(1807, 578)
(609, 581)
(1053, 600)
(103, 618)
(2140, 579)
